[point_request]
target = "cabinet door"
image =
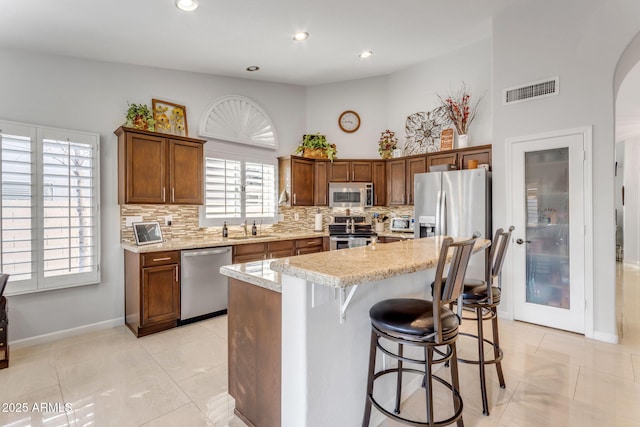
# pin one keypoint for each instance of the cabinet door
(160, 294)
(414, 165)
(482, 155)
(361, 171)
(145, 175)
(281, 249)
(379, 179)
(396, 182)
(321, 183)
(185, 172)
(301, 182)
(441, 159)
(340, 171)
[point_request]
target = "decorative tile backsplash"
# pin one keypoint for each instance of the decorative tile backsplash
(185, 220)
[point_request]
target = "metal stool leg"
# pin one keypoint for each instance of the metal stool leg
(372, 366)
(496, 347)
(428, 384)
(483, 380)
(399, 383)
(455, 380)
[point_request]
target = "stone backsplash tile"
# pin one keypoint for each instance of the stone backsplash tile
(186, 220)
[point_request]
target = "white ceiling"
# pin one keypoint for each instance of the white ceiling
(224, 37)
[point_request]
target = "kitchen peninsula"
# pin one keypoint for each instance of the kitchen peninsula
(317, 307)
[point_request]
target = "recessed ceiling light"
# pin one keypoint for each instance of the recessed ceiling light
(300, 36)
(253, 68)
(187, 5)
(365, 54)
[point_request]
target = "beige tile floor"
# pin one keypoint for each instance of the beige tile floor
(179, 377)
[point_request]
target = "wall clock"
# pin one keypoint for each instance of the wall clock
(349, 121)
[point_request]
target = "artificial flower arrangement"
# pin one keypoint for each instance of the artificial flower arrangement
(459, 109)
(387, 143)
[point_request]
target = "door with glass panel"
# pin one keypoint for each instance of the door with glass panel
(549, 242)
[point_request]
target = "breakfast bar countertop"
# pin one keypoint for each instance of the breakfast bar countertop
(344, 268)
(257, 273)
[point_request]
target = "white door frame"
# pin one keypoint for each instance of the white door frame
(587, 135)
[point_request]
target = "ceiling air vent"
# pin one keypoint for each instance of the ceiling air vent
(531, 91)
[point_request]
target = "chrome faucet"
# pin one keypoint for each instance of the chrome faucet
(244, 227)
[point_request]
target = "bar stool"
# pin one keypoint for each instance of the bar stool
(476, 296)
(426, 324)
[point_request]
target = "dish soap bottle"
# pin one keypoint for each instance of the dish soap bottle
(225, 230)
(254, 229)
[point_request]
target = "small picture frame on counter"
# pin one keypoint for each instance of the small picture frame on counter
(147, 233)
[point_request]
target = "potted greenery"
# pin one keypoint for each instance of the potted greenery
(139, 116)
(316, 146)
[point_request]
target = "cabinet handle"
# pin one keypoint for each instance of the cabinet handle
(176, 270)
(161, 259)
(173, 194)
(163, 194)
(310, 243)
(294, 198)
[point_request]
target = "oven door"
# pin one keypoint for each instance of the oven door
(346, 242)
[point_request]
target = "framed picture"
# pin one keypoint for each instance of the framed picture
(170, 118)
(147, 232)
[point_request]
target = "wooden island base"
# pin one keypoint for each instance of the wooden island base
(255, 337)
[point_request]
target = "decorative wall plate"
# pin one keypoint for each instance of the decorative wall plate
(423, 131)
(237, 118)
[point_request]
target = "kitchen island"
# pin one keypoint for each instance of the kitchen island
(324, 325)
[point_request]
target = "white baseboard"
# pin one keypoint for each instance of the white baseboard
(601, 336)
(54, 336)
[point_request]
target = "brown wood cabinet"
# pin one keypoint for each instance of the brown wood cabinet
(249, 252)
(255, 339)
(442, 159)
(459, 159)
(321, 183)
(159, 169)
(379, 172)
(4, 343)
(400, 174)
(351, 171)
(152, 291)
(309, 245)
(281, 249)
(296, 176)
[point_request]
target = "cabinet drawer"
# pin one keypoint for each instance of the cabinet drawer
(280, 245)
(160, 258)
(251, 248)
(305, 243)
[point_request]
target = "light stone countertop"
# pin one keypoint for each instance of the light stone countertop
(212, 242)
(349, 267)
(257, 273)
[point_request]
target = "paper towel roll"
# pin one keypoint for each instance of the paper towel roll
(318, 222)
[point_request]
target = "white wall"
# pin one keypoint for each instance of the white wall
(631, 222)
(581, 41)
(367, 97)
(92, 96)
(417, 88)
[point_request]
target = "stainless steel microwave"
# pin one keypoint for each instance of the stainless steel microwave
(350, 194)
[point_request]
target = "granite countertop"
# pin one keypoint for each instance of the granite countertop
(395, 234)
(349, 267)
(212, 242)
(257, 273)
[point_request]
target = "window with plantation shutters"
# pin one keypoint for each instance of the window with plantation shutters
(238, 189)
(50, 202)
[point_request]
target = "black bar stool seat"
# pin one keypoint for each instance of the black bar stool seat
(477, 292)
(406, 316)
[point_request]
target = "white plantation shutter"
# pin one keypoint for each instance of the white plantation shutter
(260, 184)
(238, 189)
(223, 188)
(17, 209)
(63, 198)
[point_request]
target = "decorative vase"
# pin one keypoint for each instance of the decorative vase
(386, 154)
(463, 141)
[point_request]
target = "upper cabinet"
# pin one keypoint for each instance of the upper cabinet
(459, 159)
(351, 171)
(296, 178)
(400, 174)
(154, 168)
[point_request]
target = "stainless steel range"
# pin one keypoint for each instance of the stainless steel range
(349, 231)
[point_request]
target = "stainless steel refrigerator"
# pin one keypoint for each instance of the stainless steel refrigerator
(456, 204)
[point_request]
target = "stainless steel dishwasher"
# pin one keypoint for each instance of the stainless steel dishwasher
(203, 290)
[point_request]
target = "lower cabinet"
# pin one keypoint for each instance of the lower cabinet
(152, 291)
(4, 343)
(309, 246)
(277, 249)
(249, 252)
(255, 339)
